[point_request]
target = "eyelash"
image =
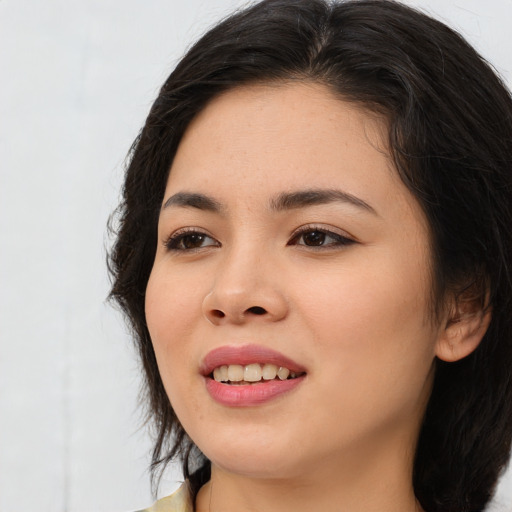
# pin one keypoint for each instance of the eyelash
(175, 241)
(339, 240)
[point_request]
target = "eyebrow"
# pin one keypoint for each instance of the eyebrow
(283, 201)
(193, 200)
(302, 198)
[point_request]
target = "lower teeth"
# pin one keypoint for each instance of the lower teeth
(247, 383)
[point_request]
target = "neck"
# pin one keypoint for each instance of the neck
(372, 482)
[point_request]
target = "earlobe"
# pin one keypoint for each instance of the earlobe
(463, 331)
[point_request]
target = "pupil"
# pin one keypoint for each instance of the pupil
(193, 241)
(314, 238)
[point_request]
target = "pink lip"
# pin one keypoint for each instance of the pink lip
(250, 394)
(246, 354)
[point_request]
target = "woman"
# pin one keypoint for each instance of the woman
(314, 252)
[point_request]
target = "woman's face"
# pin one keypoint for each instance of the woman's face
(286, 239)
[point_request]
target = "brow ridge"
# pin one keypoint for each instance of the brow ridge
(311, 197)
(282, 202)
(193, 200)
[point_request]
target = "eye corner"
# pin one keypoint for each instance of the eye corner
(318, 237)
(189, 240)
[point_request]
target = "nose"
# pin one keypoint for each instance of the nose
(245, 289)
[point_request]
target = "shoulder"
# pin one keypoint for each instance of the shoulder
(179, 501)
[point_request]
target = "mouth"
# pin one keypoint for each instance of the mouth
(252, 374)
(249, 375)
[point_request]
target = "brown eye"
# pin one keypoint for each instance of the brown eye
(189, 241)
(314, 238)
(192, 241)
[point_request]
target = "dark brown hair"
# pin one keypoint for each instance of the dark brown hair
(450, 136)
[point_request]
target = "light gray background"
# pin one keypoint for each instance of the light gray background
(77, 78)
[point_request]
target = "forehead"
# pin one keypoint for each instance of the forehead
(260, 140)
(292, 120)
(296, 126)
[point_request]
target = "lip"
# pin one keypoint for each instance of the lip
(251, 394)
(246, 354)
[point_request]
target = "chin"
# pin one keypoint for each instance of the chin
(251, 454)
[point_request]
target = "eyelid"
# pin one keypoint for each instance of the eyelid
(177, 235)
(345, 238)
(342, 237)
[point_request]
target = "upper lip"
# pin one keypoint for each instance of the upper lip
(244, 355)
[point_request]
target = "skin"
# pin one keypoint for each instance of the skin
(354, 314)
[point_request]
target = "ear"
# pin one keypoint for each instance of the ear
(464, 329)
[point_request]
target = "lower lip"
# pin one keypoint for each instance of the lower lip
(250, 394)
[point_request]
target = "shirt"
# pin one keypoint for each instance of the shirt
(179, 501)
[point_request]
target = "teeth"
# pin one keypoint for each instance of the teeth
(269, 371)
(235, 372)
(220, 374)
(252, 373)
(283, 373)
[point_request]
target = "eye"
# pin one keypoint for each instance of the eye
(189, 240)
(311, 236)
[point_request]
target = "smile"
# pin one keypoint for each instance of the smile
(249, 375)
(237, 374)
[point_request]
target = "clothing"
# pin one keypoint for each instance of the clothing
(179, 501)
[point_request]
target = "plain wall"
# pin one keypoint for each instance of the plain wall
(77, 79)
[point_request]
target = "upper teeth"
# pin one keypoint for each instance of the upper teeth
(251, 372)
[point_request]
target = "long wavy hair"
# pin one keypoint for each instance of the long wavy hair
(450, 137)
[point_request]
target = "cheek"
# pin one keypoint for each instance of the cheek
(370, 323)
(374, 357)
(172, 309)
(171, 305)
(366, 293)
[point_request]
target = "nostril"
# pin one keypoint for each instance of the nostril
(257, 310)
(217, 313)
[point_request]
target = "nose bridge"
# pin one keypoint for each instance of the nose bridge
(245, 285)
